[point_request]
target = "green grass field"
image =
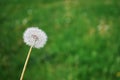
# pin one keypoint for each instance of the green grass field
(83, 39)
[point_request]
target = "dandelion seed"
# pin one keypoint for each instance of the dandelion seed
(33, 37)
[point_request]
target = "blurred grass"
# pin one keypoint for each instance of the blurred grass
(76, 48)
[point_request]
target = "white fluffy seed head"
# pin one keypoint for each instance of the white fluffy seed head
(35, 37)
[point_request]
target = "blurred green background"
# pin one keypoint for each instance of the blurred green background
(83, 39)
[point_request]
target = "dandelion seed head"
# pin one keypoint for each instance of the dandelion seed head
(35, 37)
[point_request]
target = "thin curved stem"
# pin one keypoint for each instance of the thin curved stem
(24, 68)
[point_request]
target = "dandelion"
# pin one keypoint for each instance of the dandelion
(36, 38)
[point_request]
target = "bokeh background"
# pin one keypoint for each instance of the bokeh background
(83, 39)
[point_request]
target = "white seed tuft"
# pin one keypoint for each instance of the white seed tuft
(35, 37)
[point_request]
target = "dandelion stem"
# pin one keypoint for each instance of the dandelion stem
(24, 68)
